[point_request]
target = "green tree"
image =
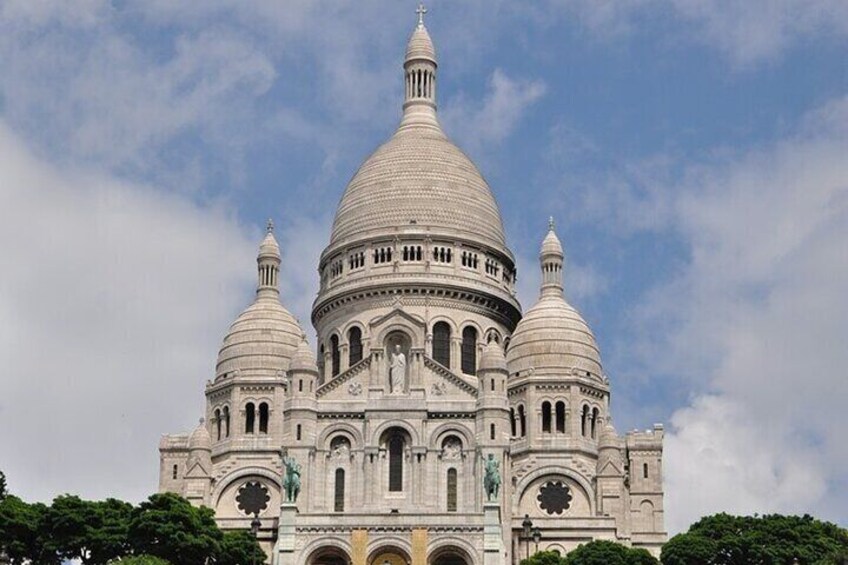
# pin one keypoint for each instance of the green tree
(544, 558)
(140, 560)
(601, 552)
(22, 532)
(774, 539)
(239, 548)
(3, 491)
(168, 526)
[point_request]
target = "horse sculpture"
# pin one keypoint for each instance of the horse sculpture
(492, 479)
(291, 484)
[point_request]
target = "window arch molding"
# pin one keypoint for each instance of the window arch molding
(378, 435)
(272, 479)
(327, 435)
(438, 436)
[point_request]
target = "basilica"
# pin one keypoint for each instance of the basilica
(434, 422)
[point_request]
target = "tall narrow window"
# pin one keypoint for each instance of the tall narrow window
(560, 417)
(512, 421)
(522, 420)
(174, 472)
(396, 463)
(263, 418)
(218, 422)
(298, 432)
(546, 416)
(441, 343)
(492, 431)
(595, 415)
(336, 356)
(339, 493)
(249, 417)
(354, 337)
(469, 350)
(452, 490)
(584, 421)
(644, 470)
(226, 421)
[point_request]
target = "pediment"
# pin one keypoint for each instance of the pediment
(398, 313)
(610, 469)
(441, 382)
(197, 471)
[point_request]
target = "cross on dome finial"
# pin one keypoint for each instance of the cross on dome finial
(551, 223)
(270, 226)
(421, 11)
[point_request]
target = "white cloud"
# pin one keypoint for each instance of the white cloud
(496, 117)
(112, 293)
(759, 318)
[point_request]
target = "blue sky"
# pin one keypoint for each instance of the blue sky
(692, 152)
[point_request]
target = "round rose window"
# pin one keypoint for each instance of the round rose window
(554, 497)
(252, 498)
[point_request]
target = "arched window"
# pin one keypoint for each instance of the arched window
(249, 417)
(512, 421)
(441, 343)
(584, 421)
(226, 421)
(354, 337)
(339, 492)
(396, 463)
(469, 350)
(522, 420)
(595, 414)
(321, 362)
(546, 416)
(263, 418)
(644, 470)
(218, 422)
(336, 356)
(451, 487)
(560, 417)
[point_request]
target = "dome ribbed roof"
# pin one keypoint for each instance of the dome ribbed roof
(304, 359)
(262, 339)
(200, 438)
(492, 357)
(553, 338)
(420, 45)
(419, 177)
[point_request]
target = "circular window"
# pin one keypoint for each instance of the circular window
(252, 498)
(554, 497)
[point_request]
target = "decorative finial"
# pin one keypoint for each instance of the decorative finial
(270, 226)
(202, 421)
(551, 223)
(421, 11)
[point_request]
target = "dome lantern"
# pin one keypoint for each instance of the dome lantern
(552, 261)
(268, 262)
(419, 72)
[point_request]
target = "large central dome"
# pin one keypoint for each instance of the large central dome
(419, 177)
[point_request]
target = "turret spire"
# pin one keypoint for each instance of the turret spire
(268, 263)
(419, 66)
(552, 260)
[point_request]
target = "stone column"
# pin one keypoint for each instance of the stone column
(359, 547)
(419, 546)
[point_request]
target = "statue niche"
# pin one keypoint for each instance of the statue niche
(397, 348)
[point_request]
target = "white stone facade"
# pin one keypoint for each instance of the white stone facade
(392, 460)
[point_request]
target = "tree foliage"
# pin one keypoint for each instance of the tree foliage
(239, 548)
(140, 560)
(723, 539)
(22, 532)
(598, 552)
(168, 526)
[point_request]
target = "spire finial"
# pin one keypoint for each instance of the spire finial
(421, 11)
(551, 223)
(269, 227)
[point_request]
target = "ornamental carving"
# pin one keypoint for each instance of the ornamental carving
(439, 389)
(554, 497)
(252, 498)
(354, 389)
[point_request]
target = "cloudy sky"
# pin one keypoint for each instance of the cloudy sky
(693, 152)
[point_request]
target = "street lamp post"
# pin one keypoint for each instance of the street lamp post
(255, 524)
(537, 535)
(527, 531)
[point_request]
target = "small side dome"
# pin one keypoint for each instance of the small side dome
(553, 338)
(493, 358)
(609, 437)
(303, 359)
(200, 440)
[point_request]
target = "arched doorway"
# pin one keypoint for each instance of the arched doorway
(328, 556)
(449, 556)
(389, 555)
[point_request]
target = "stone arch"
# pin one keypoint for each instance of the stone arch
(444, 318)
(354, 324)
(336, 550)
(450, 428)
(399, 324)
(391, 545)
(550, 470)
(444, 547)
(340, 427)
(378, 432)
(227, 480)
